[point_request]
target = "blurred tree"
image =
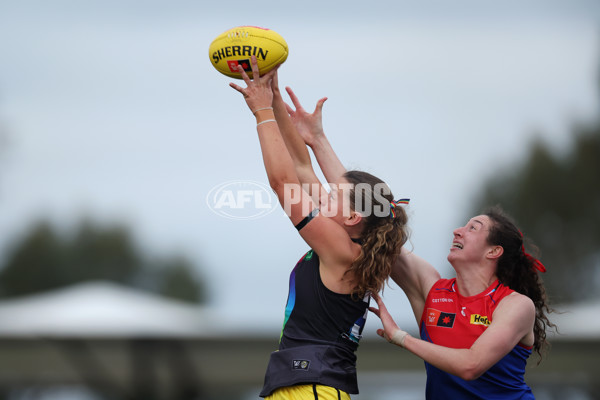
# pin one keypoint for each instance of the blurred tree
(176, 279)
(46, 259)
(556, 202)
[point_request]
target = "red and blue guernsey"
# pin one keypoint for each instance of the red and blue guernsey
(452, 320)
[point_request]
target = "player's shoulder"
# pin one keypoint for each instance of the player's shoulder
(516, 303)
(442, 283)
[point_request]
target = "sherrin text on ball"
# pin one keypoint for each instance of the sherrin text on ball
(235, 47)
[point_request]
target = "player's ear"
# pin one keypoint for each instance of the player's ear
(495, 252)
(353, 219)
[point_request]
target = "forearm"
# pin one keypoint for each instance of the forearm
(512, 323)
(293, 141)
(276, 158)
(328, 161)
(459, 362)
(278, 163)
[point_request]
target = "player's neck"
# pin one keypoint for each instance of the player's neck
(472, 284)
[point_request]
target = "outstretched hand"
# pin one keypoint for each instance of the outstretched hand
(258, 92)
(390, 332)
(309, 126)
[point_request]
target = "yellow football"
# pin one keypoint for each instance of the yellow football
(235, 47)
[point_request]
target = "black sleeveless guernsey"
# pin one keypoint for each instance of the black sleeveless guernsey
(320, 334)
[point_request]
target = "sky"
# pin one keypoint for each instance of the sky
(112, 109)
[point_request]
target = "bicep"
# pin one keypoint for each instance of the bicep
(311, 183)
(512, 320)
(295, 201)
(416, 277)
(413, 274)
(329, 239)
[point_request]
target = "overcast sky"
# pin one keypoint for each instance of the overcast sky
(112, 109)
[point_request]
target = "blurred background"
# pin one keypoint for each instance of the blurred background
(120, 278)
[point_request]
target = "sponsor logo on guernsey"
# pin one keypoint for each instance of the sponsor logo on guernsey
(477, 319)
(439, 318)
(301, 365)
(442, 300)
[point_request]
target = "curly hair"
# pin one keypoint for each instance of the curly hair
(517, 271)
(383, 235)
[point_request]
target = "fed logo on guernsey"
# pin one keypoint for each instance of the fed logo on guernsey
(440, 318)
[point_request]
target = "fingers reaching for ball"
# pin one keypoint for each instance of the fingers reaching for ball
(254, 66)
(258, 92)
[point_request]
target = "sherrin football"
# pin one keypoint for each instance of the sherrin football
(235, 47)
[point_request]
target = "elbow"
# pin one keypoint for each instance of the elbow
(283, 184)
(278, 186)
(470, 371)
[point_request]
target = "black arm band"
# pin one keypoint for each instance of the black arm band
(307, 219)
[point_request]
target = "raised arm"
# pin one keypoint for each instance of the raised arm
(328, 238)
(276, 158)
(295, 144)
(310, 128)
(416, 277)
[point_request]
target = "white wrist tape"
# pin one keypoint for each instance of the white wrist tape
(265, 121)
(398, 337)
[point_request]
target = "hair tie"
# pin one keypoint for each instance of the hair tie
(537, 264)
(396, 203)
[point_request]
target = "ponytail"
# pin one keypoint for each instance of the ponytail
(382, 237)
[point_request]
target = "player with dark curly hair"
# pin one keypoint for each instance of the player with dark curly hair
(478, 329)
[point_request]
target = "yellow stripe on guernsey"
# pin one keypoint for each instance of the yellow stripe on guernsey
(477, 319)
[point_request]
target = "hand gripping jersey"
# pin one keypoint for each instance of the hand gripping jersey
(452, 320)
(320, 334)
